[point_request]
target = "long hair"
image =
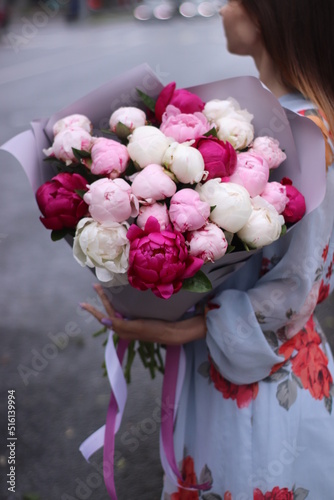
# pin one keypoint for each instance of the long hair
(299, 37)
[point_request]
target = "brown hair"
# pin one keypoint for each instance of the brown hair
(299, 37)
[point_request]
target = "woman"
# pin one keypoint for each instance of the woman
(255, 418)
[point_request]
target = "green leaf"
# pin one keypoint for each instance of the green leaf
(122, 130)
(283, 230)
(230, 249)
(211, 133)
(81, 192)
(100, 332)
(212, 208)
(79, 154)
(147, 100)
(58, 234)
(199, 283)
(107, 131)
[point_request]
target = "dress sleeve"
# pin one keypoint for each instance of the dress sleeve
(243, 332)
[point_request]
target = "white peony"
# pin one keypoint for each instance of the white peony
(231, 203)
(239, 133)
(128, 116)
(218, 108)
(105, 248)
(264, 225)
(147, 145)
(185, 162)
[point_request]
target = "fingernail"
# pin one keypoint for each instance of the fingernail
(106, 321)
(82, 305)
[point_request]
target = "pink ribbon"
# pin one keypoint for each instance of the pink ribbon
(105, 436)
(110, 431)
(169, 404)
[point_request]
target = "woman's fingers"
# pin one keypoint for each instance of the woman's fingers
(92, 310)
(105, 301)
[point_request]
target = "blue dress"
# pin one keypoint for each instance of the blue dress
(255, 416)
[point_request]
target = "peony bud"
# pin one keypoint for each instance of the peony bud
(208, 243)
(70, 137)
(158, 210)
(231, 202)
(152, 184)
(296, 207)
(269, 149)
(252, 172)
(275, 194)
(129, 118)
(183, 127)
(185, 162)
(75, 120)
(187, 212)
(111, 201)
(147, 145)
(109, 158)
(264, 225)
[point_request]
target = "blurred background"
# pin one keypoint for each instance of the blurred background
(51, 53)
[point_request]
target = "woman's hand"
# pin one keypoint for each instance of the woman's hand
(147, 330)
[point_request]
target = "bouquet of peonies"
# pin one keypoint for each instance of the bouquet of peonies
(166, 190)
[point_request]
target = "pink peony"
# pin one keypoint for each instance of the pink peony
(296, 207)
(153, 184)
(219, 157)
(109, 158)
(187, 212)
(58, 201)
(75, 120)
(111, 201)
(182, 99)
(208, 243)
(275, 194)
(269, 148)
(158, 210)
(159, 260)
(65, 140)
(252, 172)
(183, 127)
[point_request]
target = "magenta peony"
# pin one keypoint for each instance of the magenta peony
(182, 99)
(58, 201)
(219, 157)
(296, 207)
(159, 260)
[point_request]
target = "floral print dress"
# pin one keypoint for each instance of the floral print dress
(255, 417)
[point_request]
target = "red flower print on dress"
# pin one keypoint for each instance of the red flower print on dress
(189, 478)
(329, 271)
(243, 394)
(228, 496)
(276, 494)
(323, 291)
(325, 253)
(310, 362)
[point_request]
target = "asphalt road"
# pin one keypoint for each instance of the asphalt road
(61, 396)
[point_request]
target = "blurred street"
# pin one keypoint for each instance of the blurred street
(48, 353)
